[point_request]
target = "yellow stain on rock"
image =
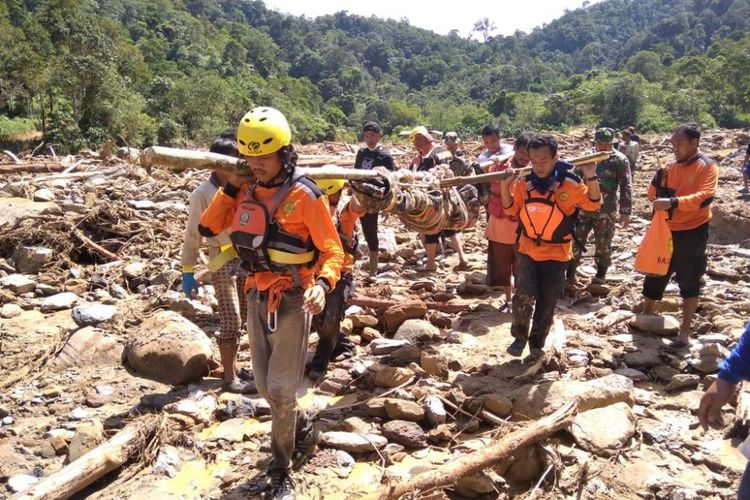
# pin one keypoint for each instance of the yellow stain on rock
(194, 480)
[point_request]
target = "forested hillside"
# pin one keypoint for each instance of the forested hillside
(175, 71)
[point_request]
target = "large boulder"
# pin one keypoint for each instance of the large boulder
(534, 401)
(169, 349)
(89, 346)
(604, 431)
(395, 315)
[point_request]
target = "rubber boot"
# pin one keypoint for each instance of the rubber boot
(601, 274)
(374, 258)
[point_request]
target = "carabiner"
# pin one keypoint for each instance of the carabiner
(275, 316)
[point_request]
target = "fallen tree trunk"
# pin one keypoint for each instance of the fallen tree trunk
(496, 453)
(30, 168)
(385, 304)
(95, 464)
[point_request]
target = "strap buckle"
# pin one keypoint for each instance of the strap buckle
(272, 321)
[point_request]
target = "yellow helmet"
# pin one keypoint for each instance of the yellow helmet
(330, 186)
(263, 131)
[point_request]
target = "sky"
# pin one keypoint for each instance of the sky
(441, 16)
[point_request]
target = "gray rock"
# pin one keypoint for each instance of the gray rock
(604, 431)
(398, 409)
(169, 349)
(21, 482)
(643, 358)
(683, 381)
(405, 433)
(435, 411)
(8, 311)
(353, 442)
(167, 278)
(707, 357)
(658, 325)
(632, 374)
(714, 338)
(93, 314)
(59, 301)
(498, 404)
(31, 259)
(168, 461)
(18, 283)
(87, 437)
(383, 346)
(118, 292)
(44, 194)
(134, 270)
(414, 329)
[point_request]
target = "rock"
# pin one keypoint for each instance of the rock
(168, 461)
(134, 270)
(434, 363)
(498, 404)
(399, 409)
(681, 381)
(118, 292)
(527, 466)
(383, 346)
(664, 326)
(407, 353)
(169, 349)
(376, 408)
(344, 463)
(79, 414)
(189, 308)
(167, 278)
(59, 301)
(88, 436)
(200, 406)
(18, 283)
(405, 433)
(645, 358)
(52, 391)
(632, 374)
(414, 329)
(96, 400)
(475, 484)
(21, 482)
(435, 411)
(390, 376)
(93, 314)
(44, 194)
(441, 434)
(664, 372)
(357, 425)
(89, 346)
(59, 445)
(604, 431)
(706, 359)
(598, 289)
(363, 320)
(397, 314)
(346, 327)
(31, 259)
(715, 338)
(8, 311)
(534, 401)
(353, 442)
(15, 210)
(369, 334)
(668, 305)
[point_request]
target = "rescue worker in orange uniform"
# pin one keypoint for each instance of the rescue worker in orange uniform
(546, 203)
(685, 188)
(345, 211)
(281, 228)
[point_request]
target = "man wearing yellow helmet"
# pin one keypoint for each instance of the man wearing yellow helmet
(345, 210)
(281, 228)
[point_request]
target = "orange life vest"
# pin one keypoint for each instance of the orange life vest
(543, 221)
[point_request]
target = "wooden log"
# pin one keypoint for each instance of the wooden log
(30, 168)
(385, 304)
(12, 157)
(94, 246)
(496, 453)
(105, 458)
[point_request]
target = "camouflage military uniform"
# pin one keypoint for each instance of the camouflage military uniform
(613, 174)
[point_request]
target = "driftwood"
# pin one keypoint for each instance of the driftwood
(385, 304)
(496, 453)
(97, 463)
(94, 246)
(12, 157)
(30, 168)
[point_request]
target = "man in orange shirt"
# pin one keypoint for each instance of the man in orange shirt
(547, 203)
(685, 189)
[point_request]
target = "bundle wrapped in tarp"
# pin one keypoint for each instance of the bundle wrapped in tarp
(419, 200)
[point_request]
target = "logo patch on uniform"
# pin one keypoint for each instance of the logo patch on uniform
(563, 196)
(288, 207)
(244, 217)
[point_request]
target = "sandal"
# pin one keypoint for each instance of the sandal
(505, 308)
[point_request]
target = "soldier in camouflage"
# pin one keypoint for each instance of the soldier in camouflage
(613, 174)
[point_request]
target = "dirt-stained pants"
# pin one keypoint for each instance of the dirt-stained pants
(232, 306)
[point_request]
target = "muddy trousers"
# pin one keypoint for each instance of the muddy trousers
(328, 323)
(232, 306)
(540, 284)
(603, 226)
(279, 365)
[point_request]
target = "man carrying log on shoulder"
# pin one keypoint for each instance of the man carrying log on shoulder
(430, 156)
(374, 155)
(546, 202)
(685, 189)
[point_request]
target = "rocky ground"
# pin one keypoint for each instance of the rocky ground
(91, 316)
